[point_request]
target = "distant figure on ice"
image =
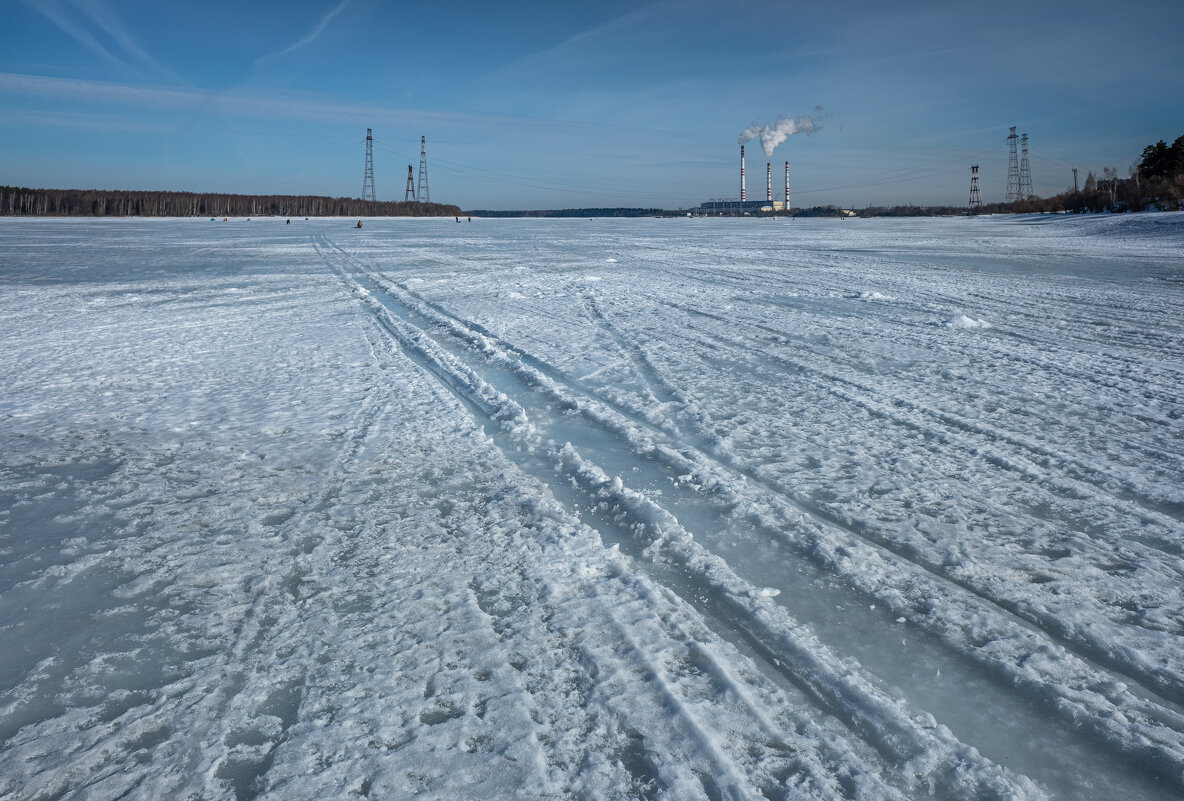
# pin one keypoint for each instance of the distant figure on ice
(288, 222)
(457, 219)
(359, 225)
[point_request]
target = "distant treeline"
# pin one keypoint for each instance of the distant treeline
(617, 212)
(813, 211)
(907, 210)
(17, 201)
(910, 210)
(1156, 182)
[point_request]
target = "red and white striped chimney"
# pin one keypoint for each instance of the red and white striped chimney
(741, 173)
(769, 181)
(787, 187)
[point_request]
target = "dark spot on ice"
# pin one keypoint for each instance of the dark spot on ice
(709, 786)
(643, 773)
(248, 735)
(278, 517)
(442, 712)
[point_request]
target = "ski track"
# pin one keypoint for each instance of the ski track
(1137, 503)
(808, 509)
(1049, 624)
(902, 736)
(1133, 729)
(499, 410)
(1022, 357)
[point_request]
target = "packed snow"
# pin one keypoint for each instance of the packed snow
(608, 509)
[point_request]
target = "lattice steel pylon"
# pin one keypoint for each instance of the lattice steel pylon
(976, 199)
(1013, 169)
(368, 177)
(1025, 170)
(410, 193)
(423, 194)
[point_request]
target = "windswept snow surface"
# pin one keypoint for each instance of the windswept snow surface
(630, 509)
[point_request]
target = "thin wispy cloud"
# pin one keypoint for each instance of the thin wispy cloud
(312, 35)
(101, 13)
(242, 103)
(638, 17)
(56, 13)
(89, 21)
(24, 119)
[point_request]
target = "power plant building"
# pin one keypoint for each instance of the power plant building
(732, 206)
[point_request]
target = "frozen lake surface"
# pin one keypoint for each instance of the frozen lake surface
(609, 509)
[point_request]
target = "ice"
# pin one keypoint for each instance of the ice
(883, 509)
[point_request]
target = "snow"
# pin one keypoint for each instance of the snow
(820, 509)
(962, 321)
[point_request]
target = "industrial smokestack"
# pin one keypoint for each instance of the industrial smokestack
(769, 181)
(787, 187)
(741, 173)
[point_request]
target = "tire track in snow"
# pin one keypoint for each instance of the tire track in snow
(465, 330)
(1166, 680)
(483, 403)
(1132, 500)
(662, 394)
(1068, 683)
(1137, 497)
(902, 735)
(1103, 374)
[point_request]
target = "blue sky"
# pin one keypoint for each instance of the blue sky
(555, 104)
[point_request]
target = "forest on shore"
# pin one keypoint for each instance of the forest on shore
(20, 201)
(1154, 183)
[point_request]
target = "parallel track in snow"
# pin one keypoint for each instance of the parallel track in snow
(982, 441)
(903, 736)
(971, 622)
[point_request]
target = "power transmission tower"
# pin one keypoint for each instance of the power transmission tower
(368, 177)
(424, 195)
(410, 193)
(1025, 170)
(1075, 189)
(976, 200)
(1013, 169)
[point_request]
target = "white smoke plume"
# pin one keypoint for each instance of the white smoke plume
(778, 132)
